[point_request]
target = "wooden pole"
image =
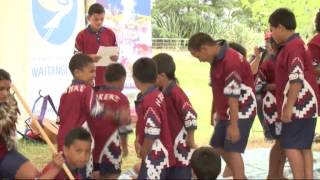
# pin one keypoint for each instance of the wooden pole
(40, 129)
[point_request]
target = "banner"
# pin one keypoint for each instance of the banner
(131, 22)
(55, 24)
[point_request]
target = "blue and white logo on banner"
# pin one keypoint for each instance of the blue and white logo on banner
(55, 20)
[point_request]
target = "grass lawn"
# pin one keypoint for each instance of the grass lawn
(194, 79)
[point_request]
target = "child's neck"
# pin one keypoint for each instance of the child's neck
(113, 84)
(287, 35)
(165, 84)
(144, 87)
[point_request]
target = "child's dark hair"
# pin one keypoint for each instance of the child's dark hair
(317, 22)
(4, 75)
(96, 8)
(77, 134)
(79, 61)
(166, 65)
(145, 70)
(283, 16)
(199, 39)
(205, 163)
(239, 48)
(114, 72)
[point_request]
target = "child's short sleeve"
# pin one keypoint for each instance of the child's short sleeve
(79, 44)
(125, 127)
(232, 86)
(153, 123)
(295, 67)
(184, 107)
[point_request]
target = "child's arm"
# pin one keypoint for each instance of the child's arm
(255, 63)
(146, 147)
(124, 144)
(293, 92)
(233, 133)
(53, 169)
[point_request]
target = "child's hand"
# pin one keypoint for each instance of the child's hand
(286, 114)
(233, 133)
(94, 57)
(58, 160)
(114, 58)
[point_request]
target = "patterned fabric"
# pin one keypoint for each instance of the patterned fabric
(8, 118)
(156, 160)
(294, 65)
(269, 108)
(231, 76)
(181, 151)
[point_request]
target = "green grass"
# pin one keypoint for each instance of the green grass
(194, 79)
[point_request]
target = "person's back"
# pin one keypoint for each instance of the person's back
(205, 163)
(153, 140)
(181, 116)
(110, 132)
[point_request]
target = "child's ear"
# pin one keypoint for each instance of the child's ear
(76, 72)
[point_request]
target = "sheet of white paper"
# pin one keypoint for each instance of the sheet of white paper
(105, 53)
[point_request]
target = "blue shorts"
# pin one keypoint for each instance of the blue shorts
(11, 163)
(106, 168)
(179, 172)
(298, 134)
(218, 139)
(143, 173)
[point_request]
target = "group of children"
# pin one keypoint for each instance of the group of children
(95, 121)
(95, 115)
(285, 82)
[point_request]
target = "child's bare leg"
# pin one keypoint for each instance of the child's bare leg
(236, 165)
(296, 162)
(27, 171)
(227, 171)
(224, 156)
(282, 162)
(276, 162)
(308, 163)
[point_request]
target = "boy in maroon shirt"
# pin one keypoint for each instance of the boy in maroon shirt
(95, 35)
(110, 135)
(234, 100)
(78, 103)
(314, 47)
(153, 140)
(296, 93)
(76, 154)
(181, 116)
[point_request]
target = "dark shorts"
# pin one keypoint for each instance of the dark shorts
(298, 134)
(11, 163)
(218, 139)
(177, 172)
(275, 130)
(106, 168)
(143, 173)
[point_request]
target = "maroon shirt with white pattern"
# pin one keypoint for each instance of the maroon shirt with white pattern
(294, 64)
